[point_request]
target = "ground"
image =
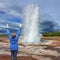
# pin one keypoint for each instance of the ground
(47, 51)
(7, 57)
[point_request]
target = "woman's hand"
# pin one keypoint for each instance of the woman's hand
(20, 25)
(7, 26)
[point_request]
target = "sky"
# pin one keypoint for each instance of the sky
(50, 7)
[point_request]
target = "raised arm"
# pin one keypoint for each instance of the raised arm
(8, 33)
(18, 33)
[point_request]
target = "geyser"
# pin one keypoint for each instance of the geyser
(30, 30)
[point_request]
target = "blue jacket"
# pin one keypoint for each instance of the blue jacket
(14, 42)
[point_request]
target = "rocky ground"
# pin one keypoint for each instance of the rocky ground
(31, 52)
(37, 52)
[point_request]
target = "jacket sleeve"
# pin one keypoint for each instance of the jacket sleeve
(18, 33)
(8, 33)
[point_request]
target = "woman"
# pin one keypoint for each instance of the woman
(14, 42)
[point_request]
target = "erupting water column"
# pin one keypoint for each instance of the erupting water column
(31, 31)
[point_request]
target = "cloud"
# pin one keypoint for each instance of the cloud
(2, 20)
(48, 6)
(2, 5)
(10, 5)
(15, 13)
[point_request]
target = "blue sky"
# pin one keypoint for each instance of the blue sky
(51, 7)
